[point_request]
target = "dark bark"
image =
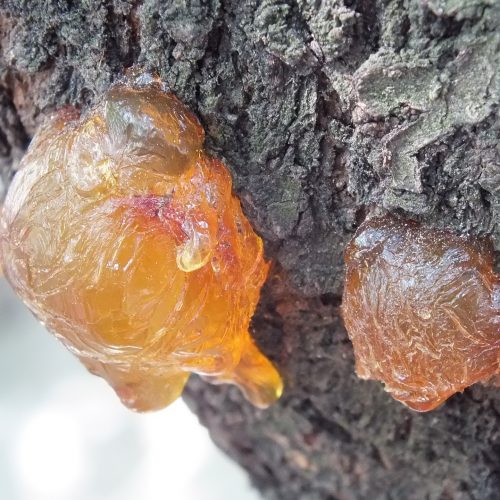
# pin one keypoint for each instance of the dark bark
(324, 111)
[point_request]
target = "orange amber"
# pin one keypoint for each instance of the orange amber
(422, 308)
(122, 235)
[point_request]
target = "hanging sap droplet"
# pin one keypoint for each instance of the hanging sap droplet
(194, 254)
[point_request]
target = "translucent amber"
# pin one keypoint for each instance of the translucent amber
(422, 308)
(122, 235)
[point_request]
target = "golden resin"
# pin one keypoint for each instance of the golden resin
(122, 235)
(422, 309)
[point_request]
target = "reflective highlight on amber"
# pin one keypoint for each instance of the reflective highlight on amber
(422, 309)
(123, 236)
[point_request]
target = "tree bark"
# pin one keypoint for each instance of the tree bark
(324, 111)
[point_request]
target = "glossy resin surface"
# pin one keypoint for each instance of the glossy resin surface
(422, 309)
(123, 236)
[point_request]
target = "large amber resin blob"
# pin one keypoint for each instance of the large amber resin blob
(422, 308)
(122, 235)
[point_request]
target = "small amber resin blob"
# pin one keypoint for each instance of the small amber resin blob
(422, 308)
(122, 235)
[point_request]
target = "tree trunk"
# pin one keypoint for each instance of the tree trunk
(324, 111)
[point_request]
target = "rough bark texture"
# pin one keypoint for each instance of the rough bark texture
(324, 111)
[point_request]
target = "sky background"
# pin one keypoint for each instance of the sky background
(64, 434)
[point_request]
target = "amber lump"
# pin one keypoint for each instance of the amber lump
(122, 235)
(422, 309)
